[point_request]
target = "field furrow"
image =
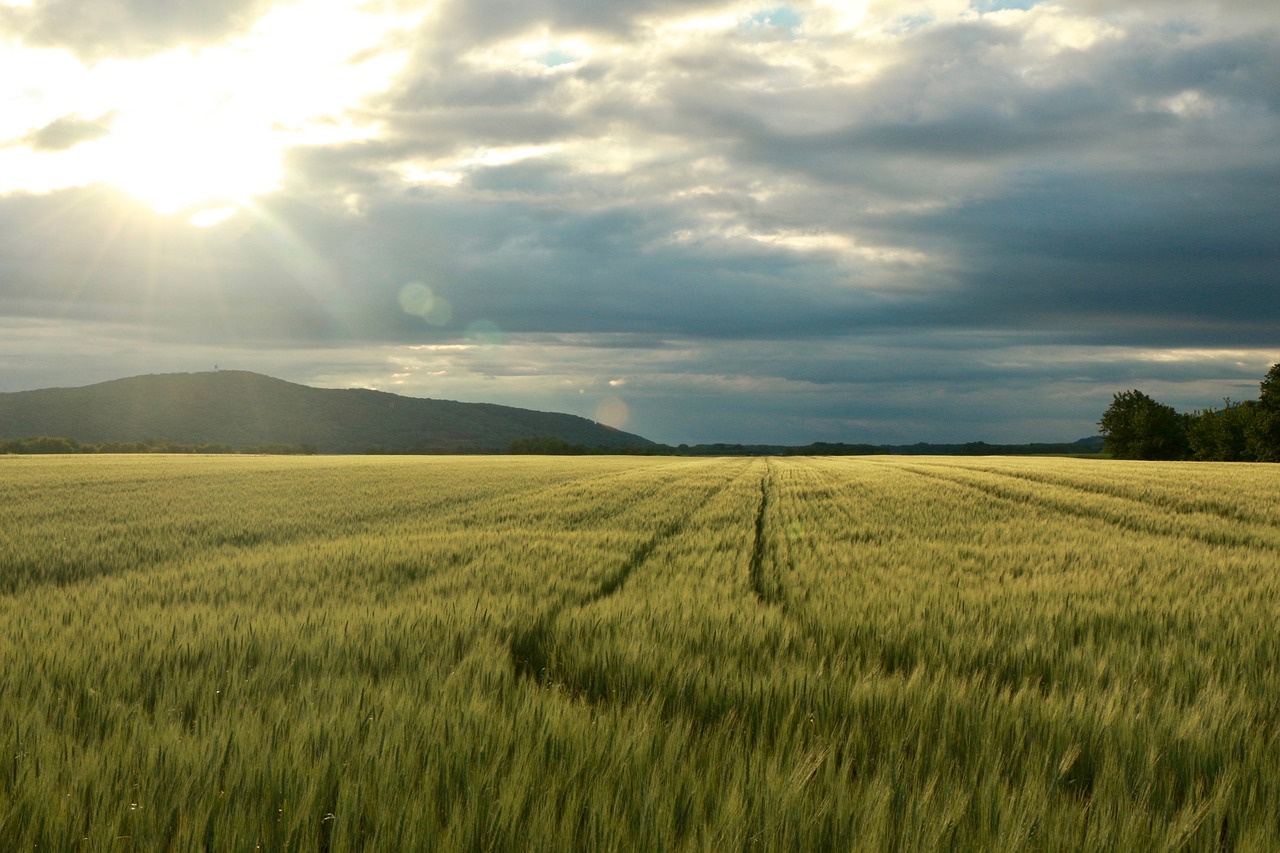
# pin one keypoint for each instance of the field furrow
(766, 576)
(530, 645)
(1122, 512)
(1165, 486)
(74, 528)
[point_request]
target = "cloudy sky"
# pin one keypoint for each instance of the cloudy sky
(857, 220)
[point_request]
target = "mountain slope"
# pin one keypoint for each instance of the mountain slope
(241, 408)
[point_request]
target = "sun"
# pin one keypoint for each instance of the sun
(200, 131)
(185, 132)
(205, 129)
(192, 163)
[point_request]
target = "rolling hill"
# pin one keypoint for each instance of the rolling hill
(240, 408)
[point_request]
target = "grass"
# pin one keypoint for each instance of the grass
(599, 653)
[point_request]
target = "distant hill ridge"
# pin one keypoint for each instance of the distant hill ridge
(240, 408)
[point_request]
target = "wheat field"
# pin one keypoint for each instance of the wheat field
(649, 654)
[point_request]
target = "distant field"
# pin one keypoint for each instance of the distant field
(604, 653)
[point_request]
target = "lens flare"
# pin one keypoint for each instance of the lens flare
(420, 300)
(613, 412)
(486, 333)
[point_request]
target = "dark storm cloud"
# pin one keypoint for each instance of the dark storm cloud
(1152, 225)
(1177, 258)
(101, 28)
(531, 268)
(956, 99)
(302, 273)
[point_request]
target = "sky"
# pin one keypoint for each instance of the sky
(882, 221)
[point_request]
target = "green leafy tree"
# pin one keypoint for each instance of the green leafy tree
(1223, 435)
(1264, 434)
(1137, 427)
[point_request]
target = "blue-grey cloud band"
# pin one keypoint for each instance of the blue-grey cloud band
(781, 224)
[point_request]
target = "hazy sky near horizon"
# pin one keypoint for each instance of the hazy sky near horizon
(875, 220)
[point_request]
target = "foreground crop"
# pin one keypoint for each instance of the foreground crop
(638, 654)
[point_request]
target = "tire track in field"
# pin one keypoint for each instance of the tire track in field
(1101, 514)
(767, 585)
(81, 565)
(476, 510)
(530, 646)
(1226, 512)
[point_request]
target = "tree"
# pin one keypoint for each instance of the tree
(1264, 436)
(1137, 427)
(1223, 435)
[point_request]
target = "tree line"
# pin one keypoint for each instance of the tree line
(1137, 427)
(552, 446)
(60, 444)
